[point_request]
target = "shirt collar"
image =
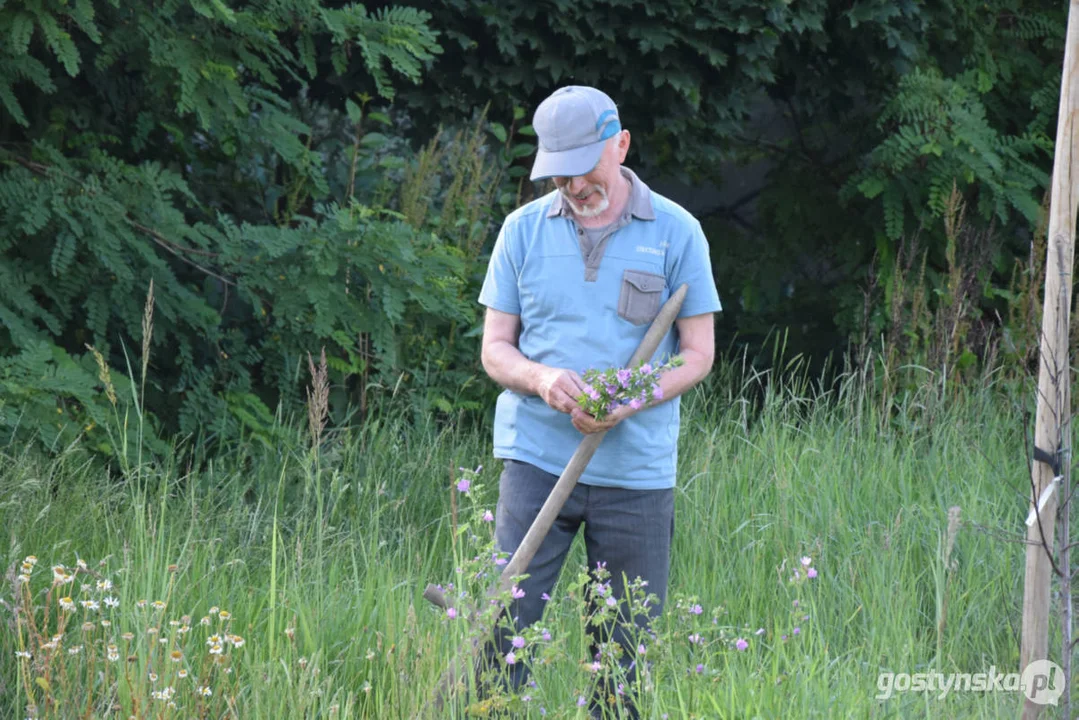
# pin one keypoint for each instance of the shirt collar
(639, 203)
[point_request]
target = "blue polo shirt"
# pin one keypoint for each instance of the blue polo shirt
(587, 307)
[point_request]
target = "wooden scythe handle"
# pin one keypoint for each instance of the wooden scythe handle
(518, 564)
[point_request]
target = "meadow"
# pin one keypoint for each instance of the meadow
(277, 581)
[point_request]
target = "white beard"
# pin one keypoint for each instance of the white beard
(588, 212)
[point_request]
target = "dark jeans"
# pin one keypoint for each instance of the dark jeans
(629, 530)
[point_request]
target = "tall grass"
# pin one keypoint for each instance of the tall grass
(320, 558)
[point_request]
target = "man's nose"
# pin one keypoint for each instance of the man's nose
(576, 184)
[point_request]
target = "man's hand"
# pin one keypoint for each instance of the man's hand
(559, 388)
(587, 424)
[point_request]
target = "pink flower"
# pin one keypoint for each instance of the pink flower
(611, 602)
(700, 668)
(518, 642)
(623, 376)
(696, 639)
(741, 644)
(657, 393)
(646, 369)
(807, 561)
(451, 613)
(547, 635)
(811, 572)
(635, 403)
(545, 597)
(591, 392)
(580, 701)
(797, 631)
(487, 516)
(463, 485)
(517, 593)
(696, 609)
(511, 658)
(641, 649)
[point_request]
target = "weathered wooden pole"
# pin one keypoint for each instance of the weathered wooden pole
(1053, 425)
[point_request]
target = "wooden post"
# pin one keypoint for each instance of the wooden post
(1052, 423)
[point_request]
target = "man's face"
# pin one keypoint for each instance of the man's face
(589, 195)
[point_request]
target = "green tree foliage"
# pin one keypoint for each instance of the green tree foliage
(179, 142)
(248, 159)
(879, 106)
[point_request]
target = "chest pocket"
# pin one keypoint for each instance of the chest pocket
(640, 295)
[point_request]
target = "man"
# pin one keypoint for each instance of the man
(574, 281)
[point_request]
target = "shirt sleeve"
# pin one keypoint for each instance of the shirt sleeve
(500, 290)
(693, 265)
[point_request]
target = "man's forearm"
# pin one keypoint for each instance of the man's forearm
(678, 380)
(508, 367)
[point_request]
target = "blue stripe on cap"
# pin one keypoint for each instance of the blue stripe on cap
(610, 119)
(612, 129)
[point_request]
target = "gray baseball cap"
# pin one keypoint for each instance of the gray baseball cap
(572, 126)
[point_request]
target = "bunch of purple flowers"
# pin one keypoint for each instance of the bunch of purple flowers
(605, 390)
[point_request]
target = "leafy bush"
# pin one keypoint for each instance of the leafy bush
(196, 148)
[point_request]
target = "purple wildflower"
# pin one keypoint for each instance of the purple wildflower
(518, 642)
(741, 644)
(463, 485)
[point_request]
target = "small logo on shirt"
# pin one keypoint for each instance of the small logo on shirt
(649, 250)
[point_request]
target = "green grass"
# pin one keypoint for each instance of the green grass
(322, 562)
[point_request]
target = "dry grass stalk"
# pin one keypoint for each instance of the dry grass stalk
(103, 374)
(147, 328)
(318, 398)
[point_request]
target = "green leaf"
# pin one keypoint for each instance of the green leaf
(499, 131)
(871, 187)
(522, 150)
(354, 112)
